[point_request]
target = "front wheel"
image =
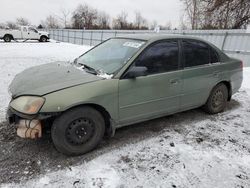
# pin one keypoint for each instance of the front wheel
(78, 131)
(217, 100)
(43, 39)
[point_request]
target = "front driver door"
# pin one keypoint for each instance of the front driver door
(156, 94)
(33, 33)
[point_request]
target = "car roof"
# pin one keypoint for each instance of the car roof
(157, 36)
(152, 37)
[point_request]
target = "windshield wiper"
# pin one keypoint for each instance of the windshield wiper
(89, 69)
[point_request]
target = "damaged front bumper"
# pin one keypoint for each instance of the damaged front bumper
(28, 126)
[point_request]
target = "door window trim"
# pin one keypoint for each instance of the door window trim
(183, 61)
(150, 45)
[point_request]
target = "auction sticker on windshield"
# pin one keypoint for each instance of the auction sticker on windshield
(133, 44)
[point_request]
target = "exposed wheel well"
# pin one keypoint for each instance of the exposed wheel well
(43, 36)
(11, 36)
(229, 88)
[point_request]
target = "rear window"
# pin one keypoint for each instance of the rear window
(195, 53)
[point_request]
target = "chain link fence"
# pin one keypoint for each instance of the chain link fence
(236, 43)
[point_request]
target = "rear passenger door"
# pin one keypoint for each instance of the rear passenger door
(200, 73)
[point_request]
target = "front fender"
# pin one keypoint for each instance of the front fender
(103, 93)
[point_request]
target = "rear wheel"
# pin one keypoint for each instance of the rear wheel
(217, 100)
(78, 131)
(7, 38)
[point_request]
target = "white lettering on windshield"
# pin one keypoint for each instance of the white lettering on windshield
(133, 44)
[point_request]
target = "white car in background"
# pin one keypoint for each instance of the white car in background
(24, 33)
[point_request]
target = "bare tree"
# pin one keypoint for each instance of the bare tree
(103, 20)
(64, 17)
(168, 26)
(51, 22)
(2, 26)
(140, 22)
(154, 24)
(84, 17)
(120, 22)
(183, 25)
(217, 14)
(224, 14)
(11, 25)
(193, 11)
(22, 21)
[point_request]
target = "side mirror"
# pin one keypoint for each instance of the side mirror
(136, 72)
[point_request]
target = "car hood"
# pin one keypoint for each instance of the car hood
(43, 32)
(47, 78)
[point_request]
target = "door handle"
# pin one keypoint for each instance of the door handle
(174, 81)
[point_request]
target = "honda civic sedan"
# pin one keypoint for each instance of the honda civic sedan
(122, 81)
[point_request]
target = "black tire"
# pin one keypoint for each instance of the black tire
(7, 38)
(78, 131)
(43, 39)
(217, 100)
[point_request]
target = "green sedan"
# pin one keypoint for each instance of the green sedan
(120, 82)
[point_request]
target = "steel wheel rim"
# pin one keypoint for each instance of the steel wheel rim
(80, 131)
(218, 99)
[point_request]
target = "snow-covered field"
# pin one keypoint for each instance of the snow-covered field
(15, 57)
(190, 149)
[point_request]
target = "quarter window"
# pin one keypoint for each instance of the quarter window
(195, 53)
(160, 57)
(213, 56)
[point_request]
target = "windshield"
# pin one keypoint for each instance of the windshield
(32, 29)
(111, 55)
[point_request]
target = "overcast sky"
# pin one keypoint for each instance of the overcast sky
(162, 11)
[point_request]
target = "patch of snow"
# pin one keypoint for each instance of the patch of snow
(105, 75)
(15, 57)
(246, 78)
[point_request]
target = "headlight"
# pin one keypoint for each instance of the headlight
(28, 104)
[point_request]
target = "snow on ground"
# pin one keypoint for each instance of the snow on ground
(191, 149)
(15, 57)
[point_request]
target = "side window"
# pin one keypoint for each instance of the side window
(213, 56)
(32, 30)
(160, 57)
(25, 29)
(195, 53)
